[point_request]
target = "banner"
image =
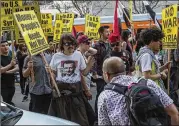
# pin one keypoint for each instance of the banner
(7, 23)
(58, 28)
(170, 27)
(92, 24)
(7, 5)
(18, 36)
(32, 32)
(68, 20)
(46, 23)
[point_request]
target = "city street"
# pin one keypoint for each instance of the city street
(17, 99)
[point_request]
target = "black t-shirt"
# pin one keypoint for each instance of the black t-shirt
(7, 80)
(124, 56)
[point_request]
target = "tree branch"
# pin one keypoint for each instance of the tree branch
(102, 8)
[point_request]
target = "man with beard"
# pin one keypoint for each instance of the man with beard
(8, 70)
(70, 105)
(147, 63)
(118, 52)
(103, 51)
(49, 52)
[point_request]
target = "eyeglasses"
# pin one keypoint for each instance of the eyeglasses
(115, 44)
(68, 43)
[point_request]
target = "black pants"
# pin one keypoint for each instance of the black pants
(40, 103)
(26, 89)
(100, 83)
(22, 81)
(7, 94)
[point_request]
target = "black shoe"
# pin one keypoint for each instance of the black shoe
(25, 98)
(22, 92)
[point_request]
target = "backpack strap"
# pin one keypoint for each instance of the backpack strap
(142, 81)
(116, 87)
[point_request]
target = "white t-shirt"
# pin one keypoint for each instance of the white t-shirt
(68, 67)
(146, 62)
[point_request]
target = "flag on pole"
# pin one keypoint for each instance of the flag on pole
(126, 15)
(152, 14)
(116, 22)
(130, 7)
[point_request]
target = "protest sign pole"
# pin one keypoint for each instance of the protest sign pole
(31, 70)
(51, 76)
(168, 81)
(12, 44)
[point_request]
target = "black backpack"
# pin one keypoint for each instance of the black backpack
(143, 104)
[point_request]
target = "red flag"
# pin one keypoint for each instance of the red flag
(116, 21)
(74, 32)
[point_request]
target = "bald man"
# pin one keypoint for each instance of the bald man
(112, 108)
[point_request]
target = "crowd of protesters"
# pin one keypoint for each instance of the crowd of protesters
(79, 61)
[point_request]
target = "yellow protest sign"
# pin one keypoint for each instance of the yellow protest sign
(92, 24)
(58, 28)
(170, 27)
(46, 23)
(18, 36)
(68, 20)
(7, 5)
(31, 31)
(7, 23)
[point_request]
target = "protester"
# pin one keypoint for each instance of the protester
(67, 66)
(86, 51)
(118, 52)
(174, 74)
(49, 52)
(21, 54)
(146, 62)
(103, 51)
(40, 90)
(112, 109)
(126, 45)
(8, 70)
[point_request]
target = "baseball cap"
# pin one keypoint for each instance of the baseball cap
(3, 39)
(113, 38)
(79, 34)
(82, 39)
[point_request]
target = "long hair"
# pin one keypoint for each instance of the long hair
(69, 37)
(20, 47)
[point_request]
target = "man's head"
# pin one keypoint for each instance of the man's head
(104, 32)
(115, 42)
(4, 47)
(69, 68)
(112, 67)
(84, 42)
(68, 43)
(51, 46)
(152, 37)
(125, 35)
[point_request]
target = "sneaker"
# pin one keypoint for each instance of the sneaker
(25, 98)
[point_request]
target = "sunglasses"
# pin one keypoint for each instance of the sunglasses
(115, 44)
(68, 43)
